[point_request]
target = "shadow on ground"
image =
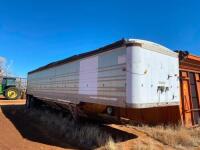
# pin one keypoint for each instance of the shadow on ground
(32, 129)
(2, 98)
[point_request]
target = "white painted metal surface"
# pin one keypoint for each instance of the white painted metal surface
(88, 77)
(152, 77)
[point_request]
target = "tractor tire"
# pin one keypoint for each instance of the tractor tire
(12, 93)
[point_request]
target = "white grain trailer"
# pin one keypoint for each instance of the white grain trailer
(130, 78)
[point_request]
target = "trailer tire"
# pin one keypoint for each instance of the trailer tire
(29, 102)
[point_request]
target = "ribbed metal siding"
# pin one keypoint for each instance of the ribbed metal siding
(62, 82)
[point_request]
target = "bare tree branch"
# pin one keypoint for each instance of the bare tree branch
(5, 68)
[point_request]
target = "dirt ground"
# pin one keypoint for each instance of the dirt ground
(19, 131)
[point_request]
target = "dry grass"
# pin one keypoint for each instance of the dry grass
(145, 146)
(91, 136)
(110, 145)
(177, 137)
(86, 135)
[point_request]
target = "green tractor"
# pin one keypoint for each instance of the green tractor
(8, 88)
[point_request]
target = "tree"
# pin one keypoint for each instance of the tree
(2, 64)
(4, 67)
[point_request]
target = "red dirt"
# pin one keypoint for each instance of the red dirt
(19, 132)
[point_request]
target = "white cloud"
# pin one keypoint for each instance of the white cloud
(2, 60)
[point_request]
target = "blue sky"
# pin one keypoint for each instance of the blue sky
(36, 32)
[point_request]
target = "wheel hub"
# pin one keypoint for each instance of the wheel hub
(12, 94)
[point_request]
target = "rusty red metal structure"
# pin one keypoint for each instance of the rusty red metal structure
(190, 89)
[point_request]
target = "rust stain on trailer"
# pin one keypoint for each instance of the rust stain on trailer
(154, 115)
(93, 108)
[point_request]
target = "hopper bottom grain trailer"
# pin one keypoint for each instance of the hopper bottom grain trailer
(134, 79)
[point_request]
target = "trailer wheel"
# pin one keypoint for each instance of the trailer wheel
(29, 102)
(74, 113)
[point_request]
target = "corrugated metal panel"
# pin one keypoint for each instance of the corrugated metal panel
(97, 79)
